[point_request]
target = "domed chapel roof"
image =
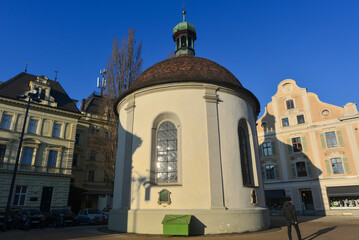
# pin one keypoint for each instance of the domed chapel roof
(185, 67)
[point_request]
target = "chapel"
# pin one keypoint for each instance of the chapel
(188, 146)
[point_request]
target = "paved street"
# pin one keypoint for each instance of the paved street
(326, 228)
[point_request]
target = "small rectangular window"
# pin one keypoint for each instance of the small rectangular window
(74, 160)
(285, 122)
(32, 126)
(2, 152)
(300, 119)
(77, 139)
(6, 121)
(267, 149)
(297, 144)
(331, 139)
(19, 196)
(301, 169)
(337, 165)
(290, 104)
(270, 171)
(56, 131)
(91, 176)
(52, 159)
(27, 156)
(92, 156)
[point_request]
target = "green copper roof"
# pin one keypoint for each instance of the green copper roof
(184, 26)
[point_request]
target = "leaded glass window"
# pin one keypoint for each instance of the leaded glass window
(166, 162)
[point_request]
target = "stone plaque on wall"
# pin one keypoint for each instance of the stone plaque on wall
(45, 128)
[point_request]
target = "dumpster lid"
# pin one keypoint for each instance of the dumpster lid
(176, 219)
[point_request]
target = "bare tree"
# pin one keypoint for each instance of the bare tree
(124, 66)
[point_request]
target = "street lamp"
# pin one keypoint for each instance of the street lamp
(32, 95)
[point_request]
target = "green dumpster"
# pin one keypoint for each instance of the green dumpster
(176, 224)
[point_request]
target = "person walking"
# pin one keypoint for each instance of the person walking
(291, 217)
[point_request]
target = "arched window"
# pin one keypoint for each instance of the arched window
(166, 161)
(245, 154)
(183, 41)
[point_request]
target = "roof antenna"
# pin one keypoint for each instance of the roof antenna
(26, 67)
(56, 75)
(103, 83)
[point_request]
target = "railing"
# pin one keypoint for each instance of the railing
(35, 169)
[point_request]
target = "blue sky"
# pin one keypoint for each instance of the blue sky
(262, 42)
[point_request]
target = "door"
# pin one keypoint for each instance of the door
(307, 201)
(46, 199)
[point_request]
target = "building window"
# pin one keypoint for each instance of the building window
(290, 104)
(270, 171)
(92, 156)
(91, 176)
(297, 144)
(300, 119)
(301, 169)
(337, 165)
(33, 126)
(19, 197)
(285, 122)
(189, 42)
(6, 121)
(245, 154)
(167, 153)
(2, 152)
(183, 41)
(56, 132)
(52, 158)
(331, 139)
(27, 156)
(77, 139)
(177, 45)
(74, 160)
(267, 149)
(92, 131)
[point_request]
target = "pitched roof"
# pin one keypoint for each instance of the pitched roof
(93, 104)
(20, 84)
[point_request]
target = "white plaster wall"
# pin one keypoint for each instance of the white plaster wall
(231, 109)
(189, 106)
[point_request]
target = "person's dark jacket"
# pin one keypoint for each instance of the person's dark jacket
(289, 212)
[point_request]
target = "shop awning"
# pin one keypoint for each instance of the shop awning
(343, 191)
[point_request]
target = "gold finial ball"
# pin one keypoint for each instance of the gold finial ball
(183, 12)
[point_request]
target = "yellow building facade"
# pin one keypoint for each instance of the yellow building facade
(309, 152)
(44, 171)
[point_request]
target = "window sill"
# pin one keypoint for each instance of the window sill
(165, 184)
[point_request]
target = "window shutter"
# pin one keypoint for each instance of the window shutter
(340, 138)
(276, 171)
(346, 165)
(289, 145)
(304, 144)
(322, 140)
(292, 168)
(310, 169)
(273, 148)
(328, 166)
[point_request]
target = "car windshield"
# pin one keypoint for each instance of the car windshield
(34, 212)
(62, 211)
(94, 211)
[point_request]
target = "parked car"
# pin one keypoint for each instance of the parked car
(60, 218)
(32, 218)
(106, 211)
(91, 216)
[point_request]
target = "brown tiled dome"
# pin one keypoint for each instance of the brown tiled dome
(185, 68)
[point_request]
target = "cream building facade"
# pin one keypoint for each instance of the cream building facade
(309, 152)
(44, 172)
(188, 146)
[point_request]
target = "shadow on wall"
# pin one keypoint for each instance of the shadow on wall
(131, 143)
(301, 182)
